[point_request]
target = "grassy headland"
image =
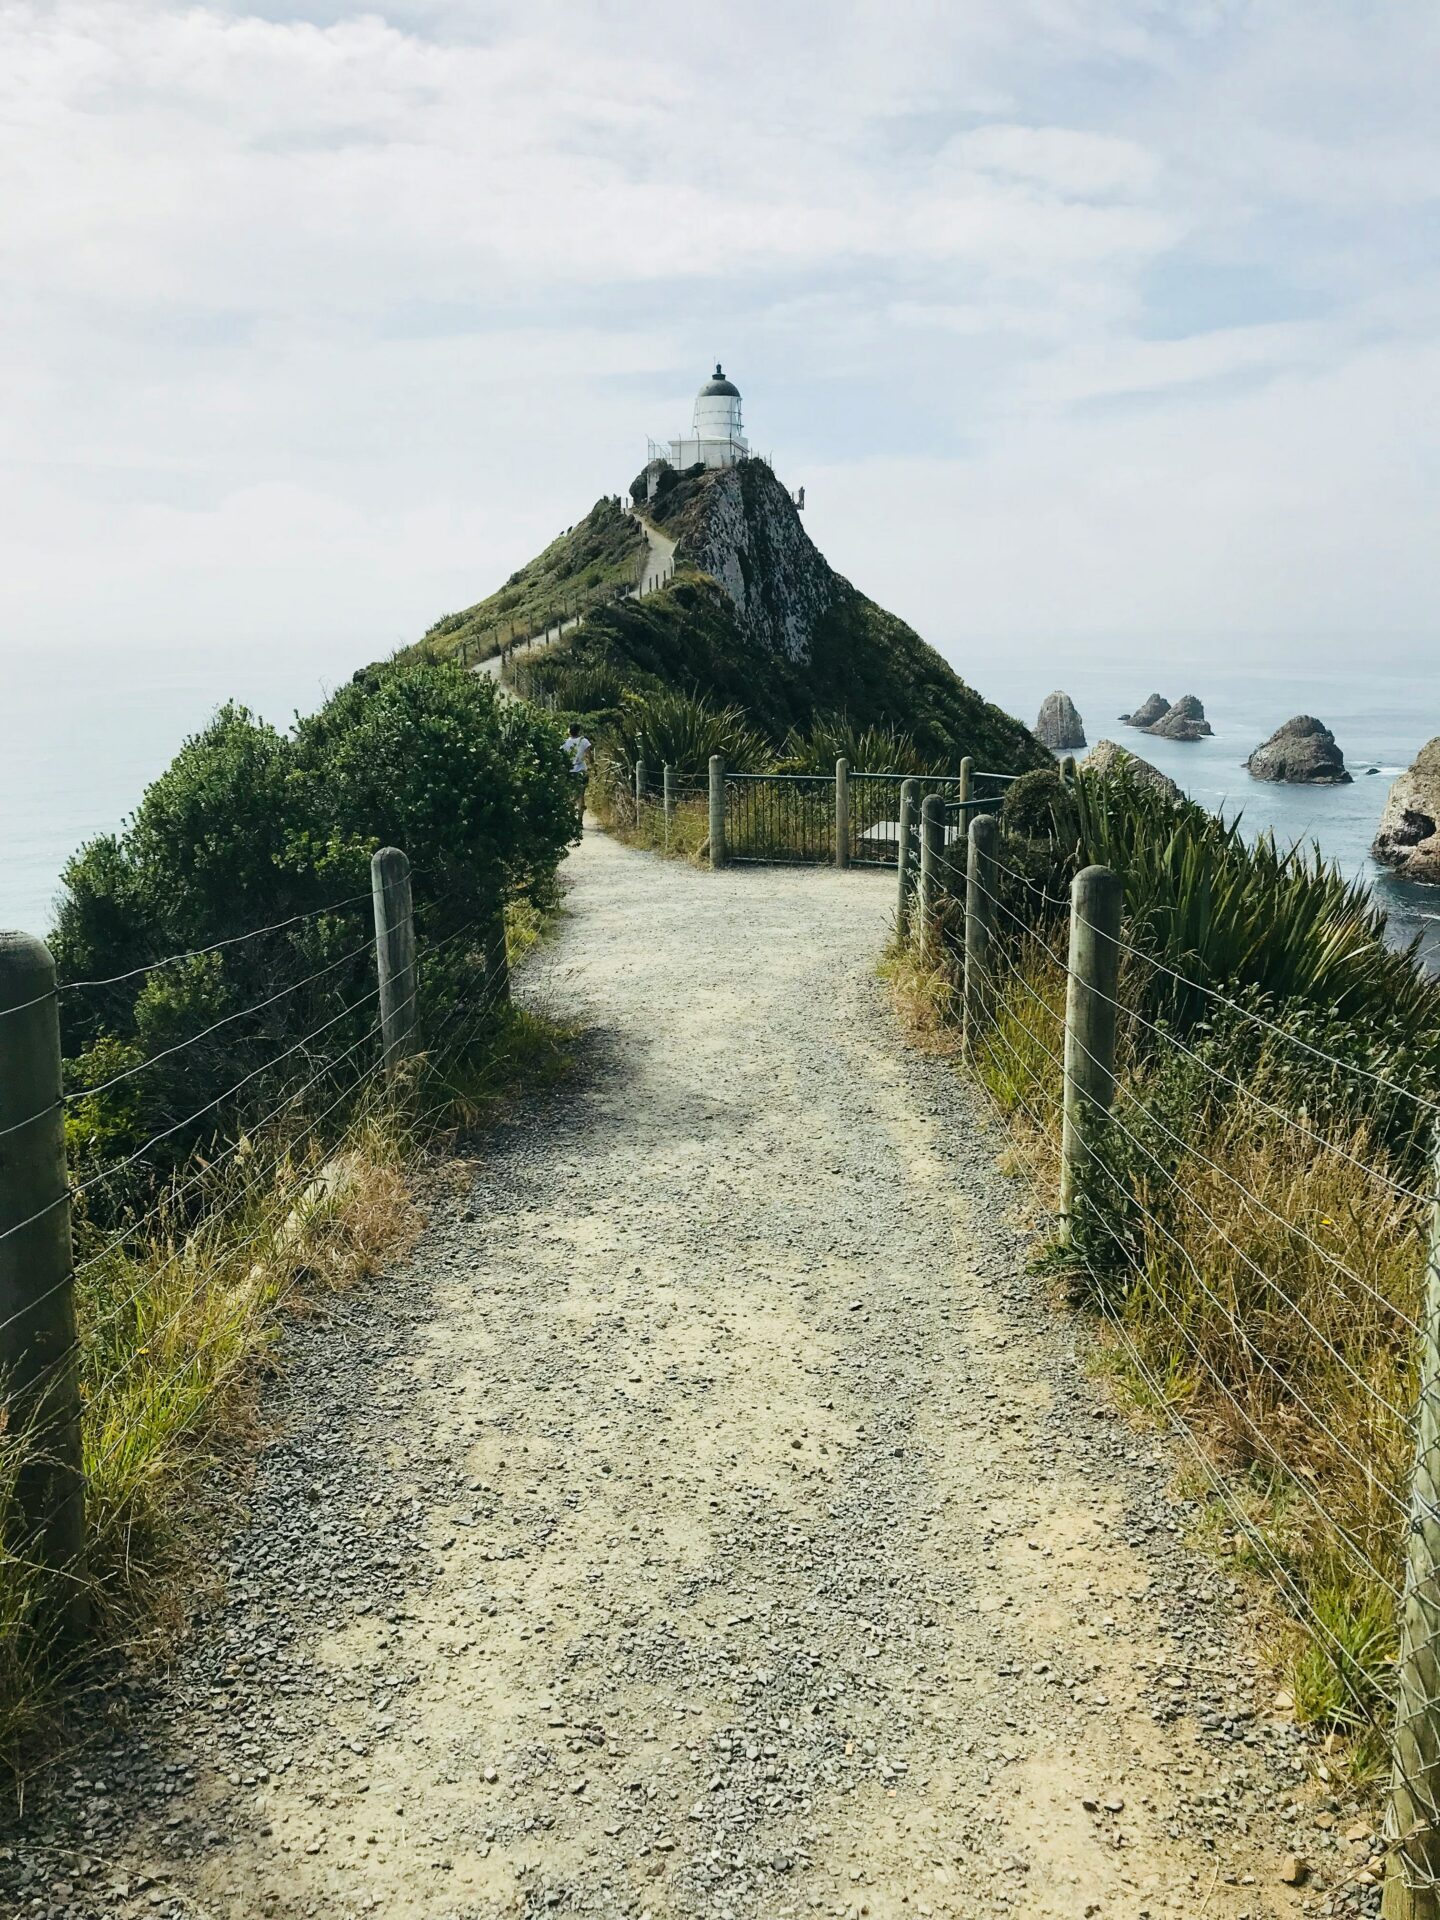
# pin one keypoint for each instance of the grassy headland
(596, 558)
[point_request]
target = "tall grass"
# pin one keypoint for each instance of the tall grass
(1252, 1231)
(682, 731)
(1226, 912)
(1258, 1279)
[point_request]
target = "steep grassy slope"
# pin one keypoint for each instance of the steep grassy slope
(756, 618)
(597, 556)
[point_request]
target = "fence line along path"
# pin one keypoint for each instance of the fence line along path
(656, 568)
(710, 1518)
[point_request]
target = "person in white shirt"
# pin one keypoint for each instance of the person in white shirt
(577, 749)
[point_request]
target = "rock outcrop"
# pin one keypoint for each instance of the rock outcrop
(1184, 721)
(1059, 727)
(1409, 835)
(754, 617)
(1147, 713)
(739, 526)
(1303, 751)
(1107, 759)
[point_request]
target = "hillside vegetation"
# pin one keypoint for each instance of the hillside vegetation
(597, 557)
(757, 620)
(1253, 1229)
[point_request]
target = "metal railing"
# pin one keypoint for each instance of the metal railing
(842, 819)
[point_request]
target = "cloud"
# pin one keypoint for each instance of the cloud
(314, 315)
(1072, 163)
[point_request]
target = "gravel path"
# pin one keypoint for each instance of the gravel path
(709, 1519)
(659, 557)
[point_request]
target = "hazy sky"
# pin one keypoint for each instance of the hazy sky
(1074, 317)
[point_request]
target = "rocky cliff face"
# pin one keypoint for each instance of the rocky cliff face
(1302, 751)
(741, 527)
(1107, 759)
(1059, 727)
(757, 617)
(1409, 834)
(1147, 713)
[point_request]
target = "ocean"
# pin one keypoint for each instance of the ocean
(1381, 720)
(84, 729)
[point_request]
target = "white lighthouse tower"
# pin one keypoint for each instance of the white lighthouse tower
(717, 436)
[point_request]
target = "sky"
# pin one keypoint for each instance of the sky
(1097, 323)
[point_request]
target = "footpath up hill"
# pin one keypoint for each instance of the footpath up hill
(757, 618)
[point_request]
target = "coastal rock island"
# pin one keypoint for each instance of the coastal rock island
(1303, 751)
(1147, 713)
(1059, 727)
(1184, 721)
(1108, 759)
(1409, 834)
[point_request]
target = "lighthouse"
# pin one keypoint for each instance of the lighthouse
(717, 435)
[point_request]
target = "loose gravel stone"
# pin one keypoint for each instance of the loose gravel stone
(711, 1518)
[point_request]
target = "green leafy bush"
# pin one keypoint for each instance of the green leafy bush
(249, 829)
(666, 728)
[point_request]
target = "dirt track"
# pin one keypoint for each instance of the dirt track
(709, 1519)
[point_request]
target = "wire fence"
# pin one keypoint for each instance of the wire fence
(840, 819)
(1263, 1243)
(136, 1281)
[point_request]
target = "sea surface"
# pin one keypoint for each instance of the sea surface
(83, 730)
(1381, 719)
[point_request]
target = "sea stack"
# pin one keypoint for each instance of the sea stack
(1059, 727)
(1302, 751)
(1110, 761)
(1147, 713)
(1184, 721)
(1409, 835)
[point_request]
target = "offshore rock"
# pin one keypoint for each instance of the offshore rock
(1059, 727)
(1109, 760)
(1409, 835)
(1184, 721)
(1302, 751)
(1147, 713)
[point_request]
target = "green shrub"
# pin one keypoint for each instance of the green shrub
(832, 737)
(664, 728)
(249, 829)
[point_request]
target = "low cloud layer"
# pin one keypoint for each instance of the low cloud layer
(1075, 317)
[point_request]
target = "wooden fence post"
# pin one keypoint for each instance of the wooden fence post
(980, 878)
(395, 955)
(932, 848)
(497, 953)
(1096, 901)
(903, 860)
(639, 790)
(842, 812)
(967, 780)
(667, 784)
(39, 1380)
(1412, 1878)
(717, 811)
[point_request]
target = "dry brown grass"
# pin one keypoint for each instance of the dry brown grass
(178, 1327)
(686, 838)
(1259, 1289)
